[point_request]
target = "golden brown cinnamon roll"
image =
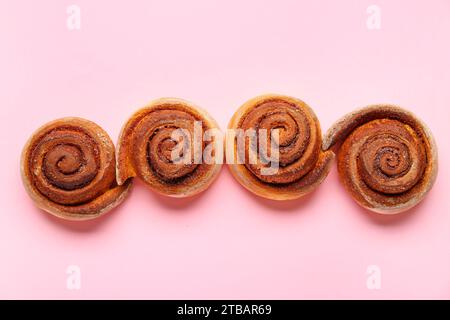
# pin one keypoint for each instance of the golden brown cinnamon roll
(300, 163)
(387, 159)
(165, 144)
(68, 169)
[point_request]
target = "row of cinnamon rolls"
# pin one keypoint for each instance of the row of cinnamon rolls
(386, 156)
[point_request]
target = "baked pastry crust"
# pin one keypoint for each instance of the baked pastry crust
(303, 165)
(68, 169)
(146, 142)
(387, 157)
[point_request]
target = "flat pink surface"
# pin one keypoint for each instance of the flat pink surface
(225, 243)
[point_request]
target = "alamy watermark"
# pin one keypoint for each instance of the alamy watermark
(262, 150)
(373, 281)
(373, 21)
(73, 281)
(73, 21)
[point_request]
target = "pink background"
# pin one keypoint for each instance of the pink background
(226, 243)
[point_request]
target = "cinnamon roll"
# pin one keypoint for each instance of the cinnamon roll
(387, 157)
(68, 169)
(165, 144)
(279, 133)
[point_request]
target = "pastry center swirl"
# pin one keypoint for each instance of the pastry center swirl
(172, 159)
(392, 161)
(64, 163)
(297, 143)
(68, 167)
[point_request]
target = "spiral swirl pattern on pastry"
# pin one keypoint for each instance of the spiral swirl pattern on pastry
(68, 168)
(147, 143)
(387, 159)
(302, 165)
